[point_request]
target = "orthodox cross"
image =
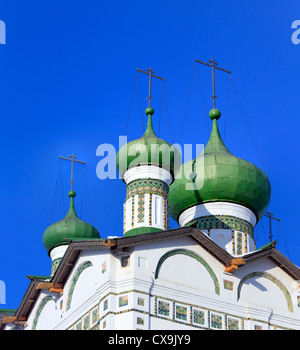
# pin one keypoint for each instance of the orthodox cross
(213, 64)
(73, 159)
(150, 72)
(270, 216)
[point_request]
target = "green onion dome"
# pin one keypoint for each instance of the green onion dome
(218, 176)
(71, 227)
(148, 150)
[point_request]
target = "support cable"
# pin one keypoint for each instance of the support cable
(203, 100)
(187, 106)
(161, 103)
(136, 77)
(54, 193)
(244, 114)
(141, 112)
(164, 90)
(89, 198)
(62, 188)
(227, 102)
(282, 235)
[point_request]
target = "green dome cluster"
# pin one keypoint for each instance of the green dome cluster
(70, 227)
(149, 150)
(217, 175)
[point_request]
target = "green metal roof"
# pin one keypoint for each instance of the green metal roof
(225, 178)
(70, 227)
(148, 150)
(8, 312)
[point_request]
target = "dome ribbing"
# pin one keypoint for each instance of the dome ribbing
(217, 175)
(70, 227)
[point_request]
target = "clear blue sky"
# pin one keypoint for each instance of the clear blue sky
(67, 75)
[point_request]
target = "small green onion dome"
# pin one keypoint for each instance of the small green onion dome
(148, 150)
(71, 227)
(217, 175)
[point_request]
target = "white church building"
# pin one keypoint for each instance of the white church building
(206, 274)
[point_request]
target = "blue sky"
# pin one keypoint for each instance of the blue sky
(67, 76)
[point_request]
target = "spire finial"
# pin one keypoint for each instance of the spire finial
(214, 113)
(213, 64)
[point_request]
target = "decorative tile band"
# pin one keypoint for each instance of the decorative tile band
(54, 265)
(225, 222)
(132, 212)
(150, 210)
(232, 243)
(239, 243)
(141, 208)
(173, 311)
(143, 186)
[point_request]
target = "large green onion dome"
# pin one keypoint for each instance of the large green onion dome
(70, 227)
(218, 176)
(148, 150)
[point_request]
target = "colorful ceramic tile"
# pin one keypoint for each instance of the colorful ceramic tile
(140, 321)
(141, 301)
(86, 322)
(123, 301)
(163, 308)
(95, 315)
(216, 321)
(181, 312)
(79, 326)
(228, 285)
(199, 317)
(232, 323)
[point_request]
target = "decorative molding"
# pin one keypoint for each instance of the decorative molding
(200, 316)
(147, 172)
(150, 186)
(217, 208)
(40, 309)
(225, 222)
(79, 271)
(54, 265)
(141, 208)
(272, 279)
(194, 256)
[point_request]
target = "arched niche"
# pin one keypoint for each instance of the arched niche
(76, 276)
(47, 304)
(271, 278)
(180, 270)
